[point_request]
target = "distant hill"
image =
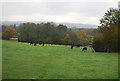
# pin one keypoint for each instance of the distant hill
(78, 25)
(12, 22)
(69, 25)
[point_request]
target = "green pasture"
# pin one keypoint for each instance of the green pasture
(0, 59)
(25, 61)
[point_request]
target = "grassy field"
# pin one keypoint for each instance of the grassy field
(0, 59)
(25, 61)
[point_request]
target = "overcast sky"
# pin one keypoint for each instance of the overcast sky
(73, 11)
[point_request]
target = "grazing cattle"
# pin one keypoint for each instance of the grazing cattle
(40, 43)
(43, 44)
(51, 44)
(84, 49)
(59, 44)
(35, 44)
(71, 47)
(31, 43)
(77, 45)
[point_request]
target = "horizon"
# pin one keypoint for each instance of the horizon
(46, 22)
(69, 25)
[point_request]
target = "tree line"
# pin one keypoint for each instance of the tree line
(49, 33)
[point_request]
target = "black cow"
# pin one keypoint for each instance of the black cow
(71, 47)
(51, 44)
(35, 44)
(84, 49)
(40, 43)
(77, 45)
(31, 43)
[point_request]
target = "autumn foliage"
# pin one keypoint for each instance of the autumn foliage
(8, 33)
(83, 38)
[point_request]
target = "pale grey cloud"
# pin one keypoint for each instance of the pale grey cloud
(77, 12)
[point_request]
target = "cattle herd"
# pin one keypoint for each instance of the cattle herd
(72, 45)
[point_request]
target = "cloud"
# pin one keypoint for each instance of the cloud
(77, 12)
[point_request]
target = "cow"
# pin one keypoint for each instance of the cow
(43, 44)
(35, 44)
(72, 46)
(31, 43)
(65, 44)
(77, 45)
(51, 44)
(40, 43)
(84, 49)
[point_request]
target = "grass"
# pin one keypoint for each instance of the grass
(0, 59)
(25, 61)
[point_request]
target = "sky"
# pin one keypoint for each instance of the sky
(71, 11)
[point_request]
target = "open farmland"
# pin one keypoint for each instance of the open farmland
(25, 61)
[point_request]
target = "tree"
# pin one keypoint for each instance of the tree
(112, 16)
(98, 43)
(108, 31)
(66, 39)
(70, 38)
(8, 33)
(27, 32)
(83, 38)
(60, 32)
